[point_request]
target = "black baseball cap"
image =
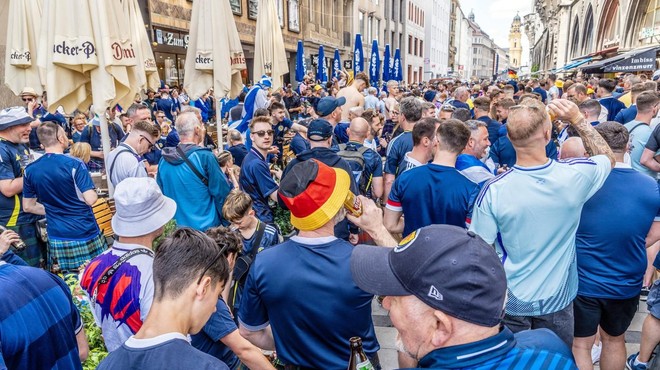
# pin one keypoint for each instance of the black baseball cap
(319, 130)
(447, 267)
(328, 105)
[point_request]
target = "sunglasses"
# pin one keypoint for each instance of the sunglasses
(27, 100)
(151, 145)
(215, 260)
(264, 133)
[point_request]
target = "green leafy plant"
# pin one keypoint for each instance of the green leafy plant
(97, 350)
(283, 220)
(170, 226)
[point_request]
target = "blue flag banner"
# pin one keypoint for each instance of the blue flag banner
(387, 64)
(336, 65)
(322, 69)
(358, 57)
(374, 65)
(397, 69)
(301, 67)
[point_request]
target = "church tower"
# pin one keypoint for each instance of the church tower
(515, 47)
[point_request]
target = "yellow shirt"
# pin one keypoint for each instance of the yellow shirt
(625, 99)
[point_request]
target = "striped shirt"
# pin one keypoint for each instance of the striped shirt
(38, 320)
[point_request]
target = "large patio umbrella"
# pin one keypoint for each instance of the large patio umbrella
(358, 55)
(322, 69)
(213, 43)
(374, 65)
(336, 65)
(269, 52)
(301, 66)
(87, 61)
(23, 30)
(143, 46)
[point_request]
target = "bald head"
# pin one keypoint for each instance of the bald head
(573, 148)
(358, 130)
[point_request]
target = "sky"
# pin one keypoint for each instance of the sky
(495, 17)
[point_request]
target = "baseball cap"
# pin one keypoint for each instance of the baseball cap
(314, 192)
(141, 207)
(327, 105)
(14, 116)
(319, 130)
(429, 96)
(447, 267)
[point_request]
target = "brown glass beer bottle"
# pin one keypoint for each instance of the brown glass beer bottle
(359, 360)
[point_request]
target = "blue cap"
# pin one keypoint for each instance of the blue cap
(429, 96)
(328, 105)
(447, 267)
(266, 81)
(319, 130)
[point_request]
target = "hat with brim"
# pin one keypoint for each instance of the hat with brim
(28, 91)
(141, 208)
(314, 193)
(14, 116)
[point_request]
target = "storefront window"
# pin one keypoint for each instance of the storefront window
(171, 68)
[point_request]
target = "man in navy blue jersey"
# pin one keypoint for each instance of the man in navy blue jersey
(445, 288)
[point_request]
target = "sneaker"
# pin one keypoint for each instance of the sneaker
(595, 352)
(630, 363)
(644, 294)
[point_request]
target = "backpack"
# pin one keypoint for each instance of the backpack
(355, 158)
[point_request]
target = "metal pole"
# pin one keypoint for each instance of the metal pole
(105, 141)
(218, 122)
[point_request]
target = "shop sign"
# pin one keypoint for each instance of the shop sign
(348, 64)
(641, 62)
(172, 38)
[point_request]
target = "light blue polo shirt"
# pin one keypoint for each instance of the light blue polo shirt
(531, 215)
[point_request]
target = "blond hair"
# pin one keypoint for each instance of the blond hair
(237, 205)
(82, 151)
(526, 119)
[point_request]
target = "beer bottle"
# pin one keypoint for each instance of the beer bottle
(359, 360)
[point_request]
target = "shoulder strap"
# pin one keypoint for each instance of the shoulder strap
(192, 166)
(363, 149)
(637, 125)
(342, 146)
(112, 166)
(259, 235)
(112, 269)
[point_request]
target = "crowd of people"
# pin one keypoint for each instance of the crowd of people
(503, 224)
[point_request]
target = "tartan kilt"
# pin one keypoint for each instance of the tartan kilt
(71, 254)
(35, 252)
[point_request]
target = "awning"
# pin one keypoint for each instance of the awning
(640, 60)
(574, 64)
(605, 64)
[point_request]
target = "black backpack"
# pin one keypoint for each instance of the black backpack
(355, 158)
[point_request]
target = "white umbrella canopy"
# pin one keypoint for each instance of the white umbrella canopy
(67, 54)
(269, 52)
(23, 31)
(142, 46)
(213, 42)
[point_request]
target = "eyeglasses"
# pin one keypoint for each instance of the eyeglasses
(215, 260)
(151, 145)
(27, 100)
(264, 133)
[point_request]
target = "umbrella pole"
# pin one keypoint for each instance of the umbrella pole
(218, 123)
(105, 141)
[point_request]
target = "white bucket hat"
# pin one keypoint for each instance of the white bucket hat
(141, 207)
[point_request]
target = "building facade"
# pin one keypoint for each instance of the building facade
(597, 28)
(413, 64)
(436, 34)
(483, 52)
(460, 43)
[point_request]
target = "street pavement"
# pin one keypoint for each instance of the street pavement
(386, 334)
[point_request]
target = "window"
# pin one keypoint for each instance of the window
(415, 47)
(410, 44)
(370, 27)
(401, 10)
(378, 32)
(392, 40)
(421, 48)
(361, 22)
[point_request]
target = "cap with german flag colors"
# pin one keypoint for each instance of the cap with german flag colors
(314, 193)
